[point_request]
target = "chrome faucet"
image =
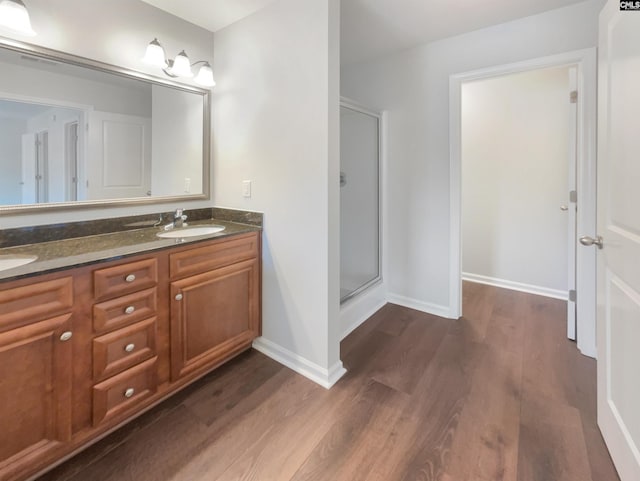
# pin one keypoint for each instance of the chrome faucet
(178, 220)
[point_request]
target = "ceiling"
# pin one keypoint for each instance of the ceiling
(211, 14)
(372, 28)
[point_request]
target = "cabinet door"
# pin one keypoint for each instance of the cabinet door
(35, 393)
(213, 315)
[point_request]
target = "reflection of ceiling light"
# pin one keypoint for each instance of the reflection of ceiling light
(15, 17)
(180, 66)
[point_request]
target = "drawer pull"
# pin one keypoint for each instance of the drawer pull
(65, 336)
(130, 278)
(129, 310)
(129, 392)
(178, 297)
(129, 347)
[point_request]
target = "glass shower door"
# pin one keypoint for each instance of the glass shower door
(359, 200)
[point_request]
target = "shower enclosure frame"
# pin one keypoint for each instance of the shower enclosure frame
(356, 107)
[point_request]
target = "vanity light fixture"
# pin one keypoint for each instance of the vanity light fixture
(14, 17)
(181, 66)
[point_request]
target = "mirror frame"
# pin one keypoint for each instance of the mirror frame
(55, 55)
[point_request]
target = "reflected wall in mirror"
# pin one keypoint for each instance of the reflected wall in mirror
(78, 132)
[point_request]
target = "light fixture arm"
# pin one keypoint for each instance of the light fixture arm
(167, 70)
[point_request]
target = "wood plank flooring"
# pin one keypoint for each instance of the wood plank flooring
(500, 395)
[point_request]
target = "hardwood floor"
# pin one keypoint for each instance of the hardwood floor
(500, 394)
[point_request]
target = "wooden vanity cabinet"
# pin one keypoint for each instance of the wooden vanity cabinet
(35, 374)
(215, 309)
(84, 350)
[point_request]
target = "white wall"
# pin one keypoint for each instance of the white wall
(414, 87)
(176, 147)
(515, 173)
(100, 30)
(276, 122)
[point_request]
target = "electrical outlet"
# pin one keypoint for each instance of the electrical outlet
(187, 185)
(246, 188)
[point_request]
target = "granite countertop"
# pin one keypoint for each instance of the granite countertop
(66, 253)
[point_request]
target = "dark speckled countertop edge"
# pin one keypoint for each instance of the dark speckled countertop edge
(80, 251)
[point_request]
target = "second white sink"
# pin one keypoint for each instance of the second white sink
(9, 262)
(194, 231)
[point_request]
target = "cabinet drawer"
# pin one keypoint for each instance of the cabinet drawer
(222, 253)
(117, 351)
(35, 302)
(125, 278)
(124, 391)
(124, 310)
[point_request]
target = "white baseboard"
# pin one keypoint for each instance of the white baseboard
(325, 377)
(360, 308)
(515, 286)
(429, 308)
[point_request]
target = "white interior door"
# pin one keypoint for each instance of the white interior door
(120, 156)
(571, 206)
(618, 291)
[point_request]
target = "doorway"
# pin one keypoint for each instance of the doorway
(71, 160)
(518, 169)
(42, 166)
(584, 62)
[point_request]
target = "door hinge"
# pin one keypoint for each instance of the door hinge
(572, 295)
(573, 196)
(573, 96)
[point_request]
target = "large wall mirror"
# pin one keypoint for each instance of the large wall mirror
(76, 133)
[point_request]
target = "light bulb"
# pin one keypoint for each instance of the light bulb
(15, 17)
(205, 76)
(155, 55)
(181, 66)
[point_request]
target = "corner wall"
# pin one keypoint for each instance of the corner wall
(276, 123)
(413, 86)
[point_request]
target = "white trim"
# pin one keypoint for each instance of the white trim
(353, 105)
(325, 377)
(516, 286)
(585, 60)
(360, 308)
(429, 308)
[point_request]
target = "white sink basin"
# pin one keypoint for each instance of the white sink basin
(9, 262)
(194, 231)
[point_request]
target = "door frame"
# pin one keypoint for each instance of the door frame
(586, 62)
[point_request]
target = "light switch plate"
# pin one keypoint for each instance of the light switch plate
(246, 188)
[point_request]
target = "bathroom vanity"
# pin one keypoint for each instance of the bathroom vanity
(101, 328)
